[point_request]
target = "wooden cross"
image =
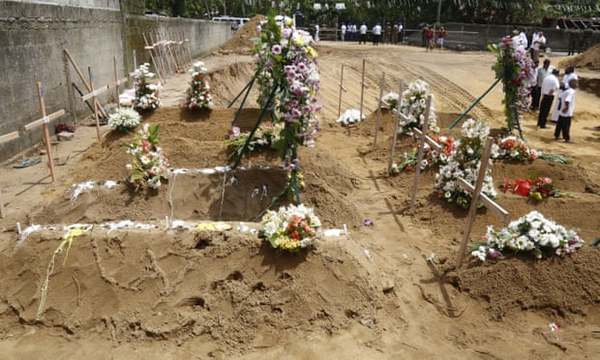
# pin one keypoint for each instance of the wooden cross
(379, 103)
(395, 135)
(362, 87)
(476, 196)
(44, 121)
(83, 80)
(93, 93)
(341, 92)
(420, 153)
(154, 56)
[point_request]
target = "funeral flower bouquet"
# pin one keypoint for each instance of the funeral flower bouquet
(536, 189)
(198, 94)
(350, 117)
(413, 105)
(267, 135)
(124, 119)
(430, 157)
(146, 93)
(464, 162)
(148, 166)
(390, 101)
(531, 233)
(290, 228)
(514, 148)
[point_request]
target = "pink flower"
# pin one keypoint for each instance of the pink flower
(276, 49)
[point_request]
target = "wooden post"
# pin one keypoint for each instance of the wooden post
(116, 82)
(421, 150)
(2, 212)
(95, 106)
(46, 132)
(395, 135)
(362, 88)
(485, 160)
(341, 92)
(378, 121)
(83, 80)
(135, 59)
(155, 59)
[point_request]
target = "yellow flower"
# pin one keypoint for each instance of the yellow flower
(299, 41)
(311, 52)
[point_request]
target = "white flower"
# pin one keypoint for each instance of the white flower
(350, 117)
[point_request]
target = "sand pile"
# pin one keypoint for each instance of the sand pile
(589, 59)
(196, 140)
(559, 286)
(241, 42)
(225, 290)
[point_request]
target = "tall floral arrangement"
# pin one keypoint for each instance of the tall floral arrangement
(513, 67)
(414, 105)
(146, 92)
(288, 79)
(198, 94)
(464, 162)
(149, 166)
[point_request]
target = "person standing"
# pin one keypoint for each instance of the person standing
(539, 43)
(363, 34)
(442, 33)
(400, 33)
(376, 34)
(550, 86)
(542, 72)
(317, 30)
(429, 38)
(532, 81)
(523, 39)
(564, 85)
(567, 100)
(343, 29)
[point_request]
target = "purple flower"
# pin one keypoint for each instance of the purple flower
(368, 222)
(276, 49)
(287, 32)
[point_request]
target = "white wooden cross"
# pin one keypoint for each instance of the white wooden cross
(476, 196)
(423, 138)
(396, 127)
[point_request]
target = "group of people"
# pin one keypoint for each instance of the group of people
(554, 97)
(432, 36)
(535, 43)
(391, 34)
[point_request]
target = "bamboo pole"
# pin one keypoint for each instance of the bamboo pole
(378, 121)
(46, 132)
(422, 140)
(157, 65)
(485, 161)
(362, 88)
(395, 135)
(341, 92)
(95, 106)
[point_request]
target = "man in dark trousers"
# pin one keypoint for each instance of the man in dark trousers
(550, 86)
(565, 114)
(537, 91)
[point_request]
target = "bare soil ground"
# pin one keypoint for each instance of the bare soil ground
(371, 295)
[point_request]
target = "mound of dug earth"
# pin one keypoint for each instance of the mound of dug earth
(241, 42)
(589, 59)
(556, 285)
(227, 291)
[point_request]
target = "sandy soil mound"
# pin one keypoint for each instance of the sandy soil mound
(241, 42)
(558, 285)
(589, 59)
(226, 290)
(227, 83)
(196, 140)
(590, 85)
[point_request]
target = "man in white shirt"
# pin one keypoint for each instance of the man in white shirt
(376, 34)
(550, 86)
(539, 41)
(343, 32)
(569, 75)
(363, 34)
(524, 41)
(400, 33)
(542, 72)
(567, 100)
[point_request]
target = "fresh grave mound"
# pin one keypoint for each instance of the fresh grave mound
(589, 59)
(226, 291)
(228, 82)
(559, 286)
(243, 195)
(591, 85)
(196, 140)
(241, 42)
(577, 209)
